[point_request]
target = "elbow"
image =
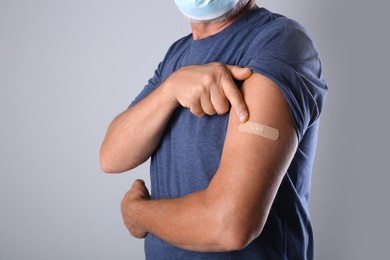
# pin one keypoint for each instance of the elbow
(106, 164)
(106, 168)
(233, 242)
(113, 162)
(109, 165)
(236, 233)
(237, 239)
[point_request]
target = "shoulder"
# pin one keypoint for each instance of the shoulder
(281, 32)
(172, 57)
(179, 45)
(267, 20)
(283, 51)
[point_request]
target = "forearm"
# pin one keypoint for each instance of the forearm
(134, 134)
(211, 220)
(189, 222)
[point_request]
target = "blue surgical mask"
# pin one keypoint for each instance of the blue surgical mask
(203, 10)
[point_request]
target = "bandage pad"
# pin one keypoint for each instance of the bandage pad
(260, 130)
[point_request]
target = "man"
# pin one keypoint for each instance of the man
(230, 120)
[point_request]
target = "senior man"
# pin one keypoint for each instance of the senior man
(230, 120)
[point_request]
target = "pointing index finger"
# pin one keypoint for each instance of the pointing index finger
(235, 98)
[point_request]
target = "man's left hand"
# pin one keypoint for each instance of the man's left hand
(137, 193)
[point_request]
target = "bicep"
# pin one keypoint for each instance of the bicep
(253, 166)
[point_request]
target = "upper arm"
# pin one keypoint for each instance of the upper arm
(252, 166)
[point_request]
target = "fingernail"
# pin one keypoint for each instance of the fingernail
(242, 117)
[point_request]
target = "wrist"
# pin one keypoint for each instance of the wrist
(167, 91)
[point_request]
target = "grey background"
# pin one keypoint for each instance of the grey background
(68, 67)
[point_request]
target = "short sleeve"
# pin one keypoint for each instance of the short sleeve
(285, 53)
(152, 84)
(165, 68)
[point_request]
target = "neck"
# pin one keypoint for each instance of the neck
(201, 30)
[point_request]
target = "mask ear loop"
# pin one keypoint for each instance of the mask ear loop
(259, 130)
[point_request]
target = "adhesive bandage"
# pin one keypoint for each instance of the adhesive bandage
(260, 130)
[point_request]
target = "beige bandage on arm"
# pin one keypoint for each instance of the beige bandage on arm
(260, 130)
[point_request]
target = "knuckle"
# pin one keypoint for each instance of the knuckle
(208, 80)
(200, 90)
(219, 65)
(220, 69)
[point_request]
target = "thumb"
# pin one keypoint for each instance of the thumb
(239, 73)
(138, 183)
(141, 187)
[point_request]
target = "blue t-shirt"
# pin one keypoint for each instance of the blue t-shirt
(190, 150)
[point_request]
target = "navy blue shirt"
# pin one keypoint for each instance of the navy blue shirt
(190, 150)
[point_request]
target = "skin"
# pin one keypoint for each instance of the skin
(232, 211)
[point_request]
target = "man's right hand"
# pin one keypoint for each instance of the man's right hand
(204, 89)
(209, 89)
